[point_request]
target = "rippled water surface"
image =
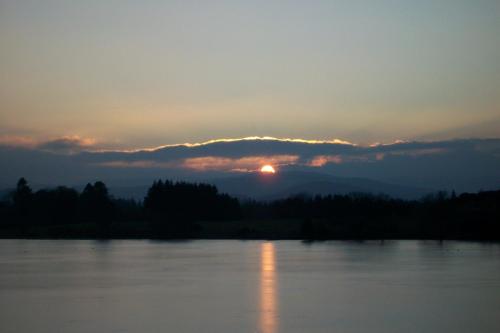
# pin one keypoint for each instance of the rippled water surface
(248, 286)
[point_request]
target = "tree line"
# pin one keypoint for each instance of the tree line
(195, 210)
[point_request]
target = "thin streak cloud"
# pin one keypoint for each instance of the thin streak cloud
(244, 164)
(249, 138)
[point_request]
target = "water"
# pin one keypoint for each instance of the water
(248, 286)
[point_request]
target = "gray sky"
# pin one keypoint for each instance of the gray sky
(144, 73)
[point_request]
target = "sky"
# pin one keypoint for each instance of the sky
(132, 74)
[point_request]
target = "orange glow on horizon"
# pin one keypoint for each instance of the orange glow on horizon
(241, 164)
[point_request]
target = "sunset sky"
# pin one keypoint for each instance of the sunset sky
(132, 74)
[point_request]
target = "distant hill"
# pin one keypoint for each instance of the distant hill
(281, 185)
(284, 184)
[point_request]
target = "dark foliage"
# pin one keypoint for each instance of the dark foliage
(184, 210)
(173, 208)
(95, 204)
(57, 206)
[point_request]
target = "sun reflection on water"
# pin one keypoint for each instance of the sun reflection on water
(268, 297)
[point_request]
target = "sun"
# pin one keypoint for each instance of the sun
(267, 169)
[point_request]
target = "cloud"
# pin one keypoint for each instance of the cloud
(17, 141)
(459, 164)
(67, 144)
(321, 160)
(408, 152)
(249, 138)
(249, 154)
(140, 164)
(209, 163)
(243, 164)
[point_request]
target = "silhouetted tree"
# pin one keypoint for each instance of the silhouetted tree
(177, 210)
(95, 205)
(56, 206)
(22, 201)
(173, 208)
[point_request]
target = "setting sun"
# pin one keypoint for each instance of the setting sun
(267, 169)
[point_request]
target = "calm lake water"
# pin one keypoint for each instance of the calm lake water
(248, 286)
